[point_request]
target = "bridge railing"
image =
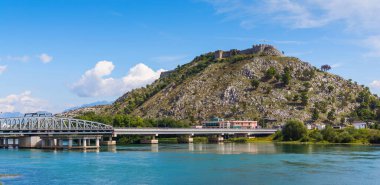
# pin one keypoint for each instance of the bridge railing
(51, 124)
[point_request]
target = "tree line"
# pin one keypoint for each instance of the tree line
(295, 130)
(126, 120)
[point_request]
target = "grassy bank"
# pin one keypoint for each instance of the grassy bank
(250, 140)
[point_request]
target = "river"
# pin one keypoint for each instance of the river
(261, 163)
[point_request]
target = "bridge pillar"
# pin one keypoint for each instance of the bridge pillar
(97, 142)
(84, 143)
(153, 140)
(107, 141)
(220, 139)
(29, 142)
(2, 142)
(59, 143)
(186, 139)
(217, 139)
(52, 143)
(70, 143)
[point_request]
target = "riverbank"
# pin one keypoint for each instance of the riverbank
(267, 139)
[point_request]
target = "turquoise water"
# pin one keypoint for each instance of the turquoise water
(265, 163)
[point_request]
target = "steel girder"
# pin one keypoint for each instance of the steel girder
(51, 124)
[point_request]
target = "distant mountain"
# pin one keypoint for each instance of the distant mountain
(10, 114)
(89, 105)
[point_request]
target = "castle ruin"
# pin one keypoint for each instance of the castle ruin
(264, 49)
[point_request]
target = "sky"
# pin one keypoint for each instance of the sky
(57, 54)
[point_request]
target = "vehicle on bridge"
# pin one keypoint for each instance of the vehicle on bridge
(39, 114)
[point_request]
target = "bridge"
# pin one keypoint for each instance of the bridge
(60, 133)
(51, 125)
(53, 132)
(191, 131)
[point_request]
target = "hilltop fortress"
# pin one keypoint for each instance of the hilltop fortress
(261, 49)
(264, 49)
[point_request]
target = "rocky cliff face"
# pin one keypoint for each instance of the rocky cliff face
(243, 86)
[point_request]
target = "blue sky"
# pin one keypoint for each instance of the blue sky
(55, 54)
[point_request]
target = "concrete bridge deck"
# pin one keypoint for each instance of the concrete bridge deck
(190, 131)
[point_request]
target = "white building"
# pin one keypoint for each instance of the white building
(359, 124)
(320, 126)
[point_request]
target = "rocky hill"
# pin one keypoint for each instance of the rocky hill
(257, 83)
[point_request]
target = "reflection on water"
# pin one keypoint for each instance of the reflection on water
(233, 148)
(229, 163)
(252, 148)
(227, 148)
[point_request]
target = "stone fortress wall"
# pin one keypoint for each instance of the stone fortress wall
(265, 49)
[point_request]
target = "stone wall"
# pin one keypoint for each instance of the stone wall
(265, 49)
(165, 73)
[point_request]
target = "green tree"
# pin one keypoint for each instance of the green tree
(304, 98)
(285, 78)
(308, 74)
(331, 115)
(344, 137)
(270, 73)
(329, 134)
(255, 84)
(325, 67)
(315, 135)
(365, 114)
(315, 115)
(321, 106)
(296, 98)
(330, 88)
(293, 130)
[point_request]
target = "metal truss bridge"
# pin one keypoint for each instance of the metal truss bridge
(52, 126)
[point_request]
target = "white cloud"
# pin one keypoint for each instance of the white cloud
(23, 102)
(2, 69)
(140, 75)
(375, 84)
(95, 82)
(45, 58)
